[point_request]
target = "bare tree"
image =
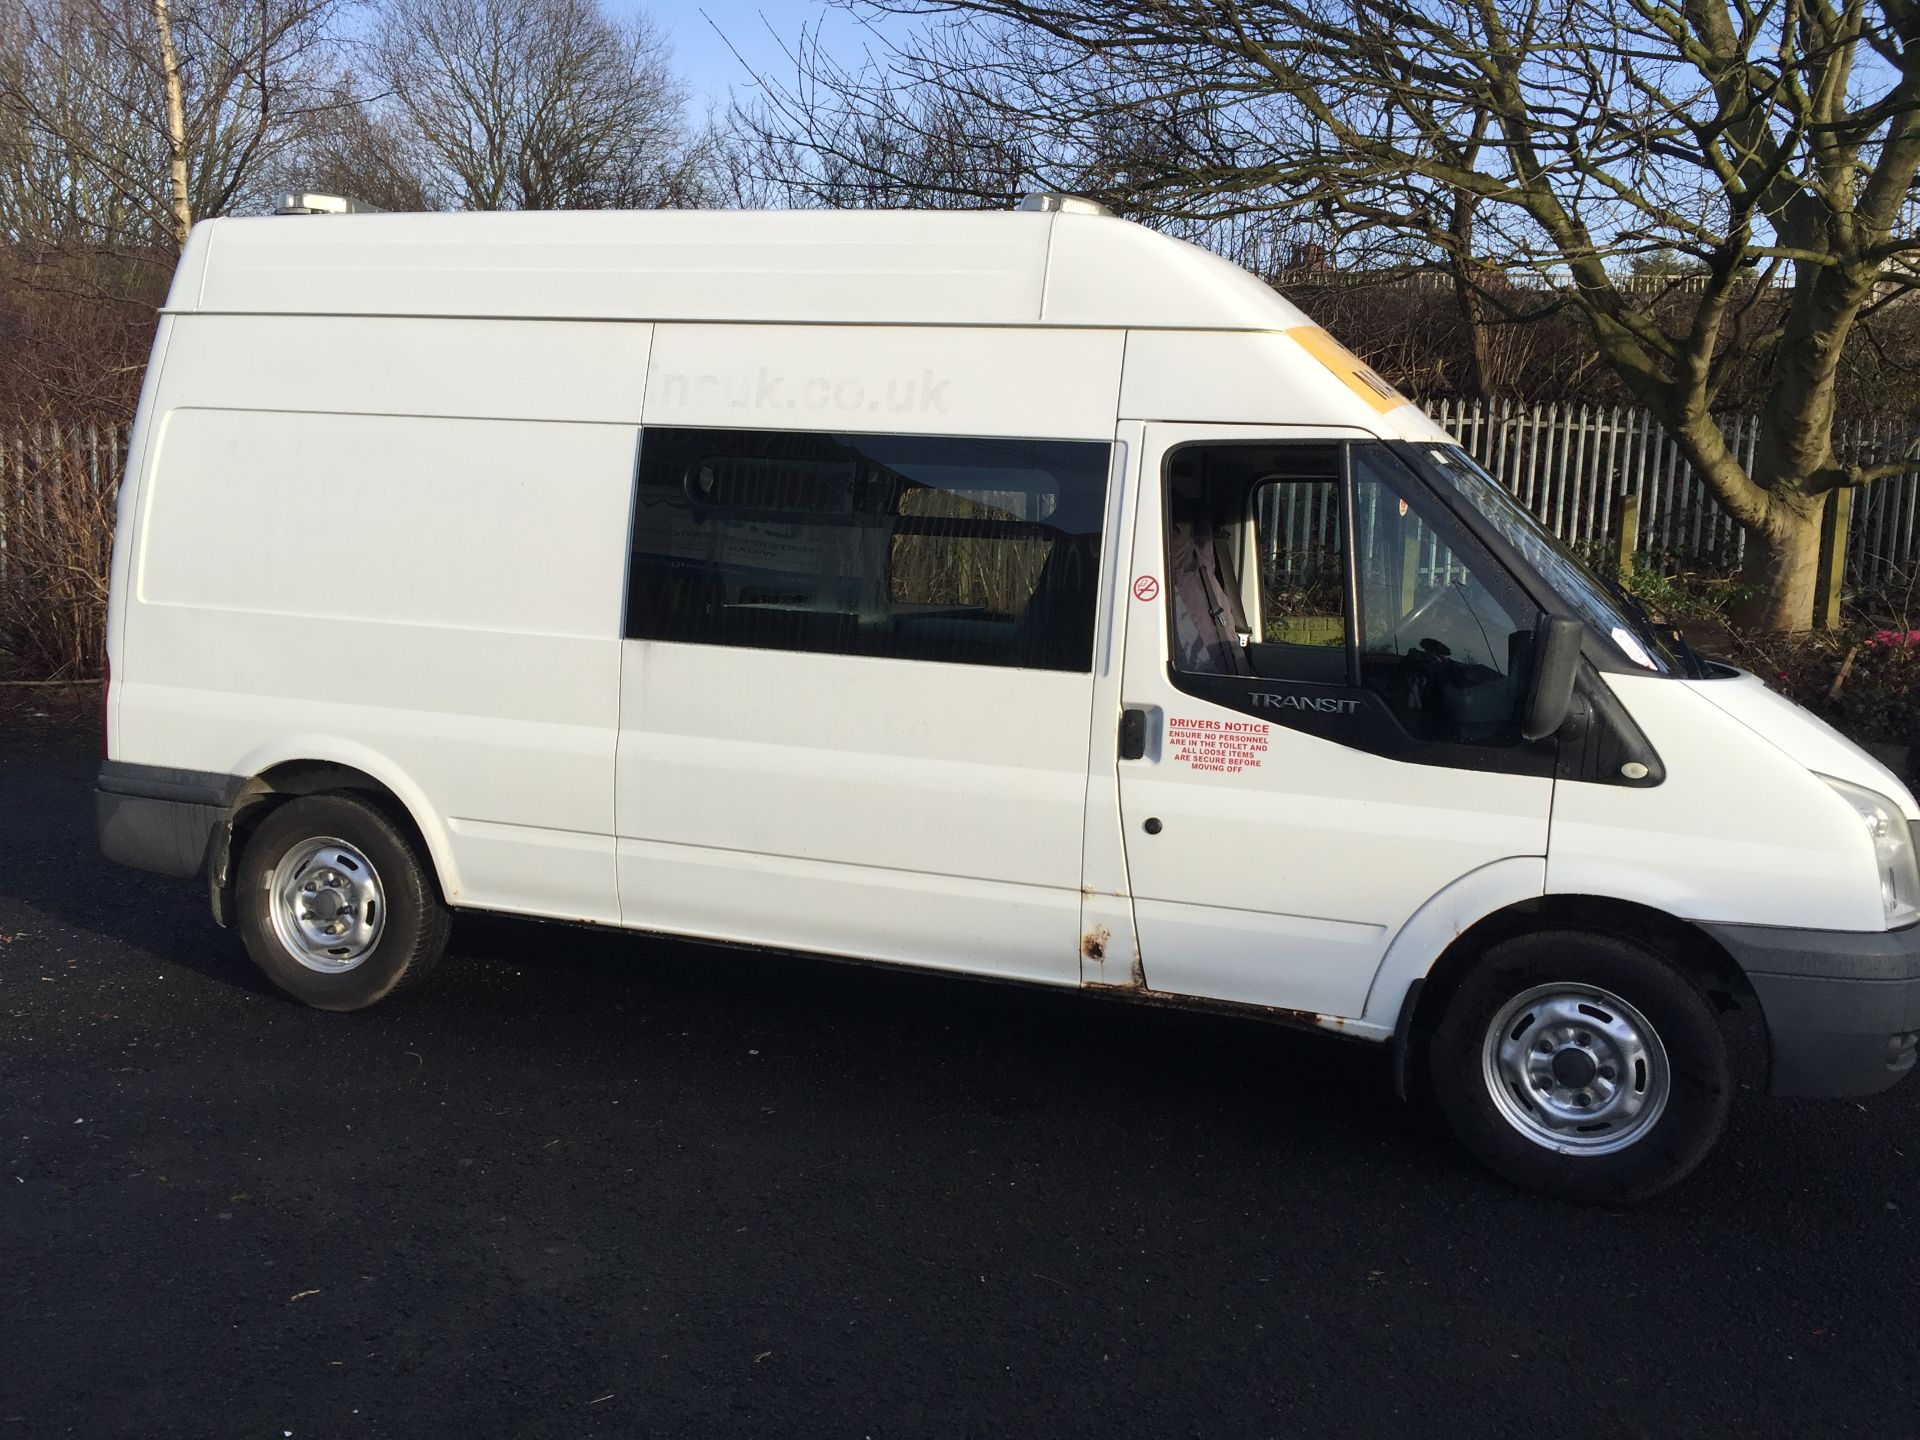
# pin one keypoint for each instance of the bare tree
(121, 121)
(79, 159)
(914, 146)
(1769, 143)
(366, 149)
(537, 104)
(167, 59)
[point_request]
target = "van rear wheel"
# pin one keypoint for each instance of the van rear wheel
(1582, 1066)
(335, 905)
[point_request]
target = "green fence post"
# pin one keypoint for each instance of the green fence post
(1626, 534)
(1832, 573)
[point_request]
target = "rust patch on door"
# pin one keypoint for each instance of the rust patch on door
(1093, 944)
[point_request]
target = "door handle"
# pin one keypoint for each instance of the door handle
(1133, 734)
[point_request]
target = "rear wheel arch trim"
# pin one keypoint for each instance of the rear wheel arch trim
(317, 769)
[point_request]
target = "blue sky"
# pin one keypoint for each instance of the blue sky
(703, 60)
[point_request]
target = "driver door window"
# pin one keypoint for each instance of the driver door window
(1356, 579)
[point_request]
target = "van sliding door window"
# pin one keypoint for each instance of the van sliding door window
(968, 551)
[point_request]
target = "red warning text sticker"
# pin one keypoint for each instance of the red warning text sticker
(1224, 747)
(1145, 588)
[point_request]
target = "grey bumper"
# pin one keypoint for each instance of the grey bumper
(153, 817)
(1842, 1008)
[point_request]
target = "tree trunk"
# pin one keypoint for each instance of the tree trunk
(176, 123)
(1459, 256)
(1781, 565)
(1480, 359)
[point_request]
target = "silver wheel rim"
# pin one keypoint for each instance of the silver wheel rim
(1576, 1069)
(327, 905)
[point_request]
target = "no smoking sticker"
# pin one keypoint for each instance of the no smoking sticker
(1146, 588)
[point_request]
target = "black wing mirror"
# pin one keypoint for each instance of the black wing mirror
(1556, 665)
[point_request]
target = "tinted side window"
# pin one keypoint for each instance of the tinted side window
(979, 552)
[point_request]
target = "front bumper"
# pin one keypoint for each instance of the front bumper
(157, 818)
(1842, 1008)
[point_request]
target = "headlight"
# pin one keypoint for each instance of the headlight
(1892, 850)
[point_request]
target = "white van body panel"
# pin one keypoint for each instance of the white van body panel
(401, 365)
(835, 267)
(319, 577)
(1739, 831)
(1803, 736)
(940, 380)
(126, 508)
(1193, 288)
(1259, 378)
(891, 809)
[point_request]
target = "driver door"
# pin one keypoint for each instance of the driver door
(1327, 671)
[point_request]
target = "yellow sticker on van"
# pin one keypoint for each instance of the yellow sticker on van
(1347, 367)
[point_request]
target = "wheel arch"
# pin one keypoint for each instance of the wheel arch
(273, 785)
(1687, 946)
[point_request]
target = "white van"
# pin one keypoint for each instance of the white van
(1025, 595)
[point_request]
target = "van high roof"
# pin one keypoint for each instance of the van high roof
(1054, 267)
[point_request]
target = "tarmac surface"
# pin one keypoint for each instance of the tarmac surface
(588, 1184)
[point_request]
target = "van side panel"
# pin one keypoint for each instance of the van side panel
(1235, 379)
(929, 814)
(390, 365)
(140, 450)
(434, 600)
(922, 380)
(808, 266)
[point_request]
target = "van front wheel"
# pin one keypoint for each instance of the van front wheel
(335, 905)
(1582, 1066)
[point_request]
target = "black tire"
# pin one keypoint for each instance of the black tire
(400, 926)
(1659, 1145)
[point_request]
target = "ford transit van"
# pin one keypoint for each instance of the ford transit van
(1024, 595)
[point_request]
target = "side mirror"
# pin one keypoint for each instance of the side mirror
(1556, 665)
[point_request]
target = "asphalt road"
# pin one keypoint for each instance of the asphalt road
(594, 1185)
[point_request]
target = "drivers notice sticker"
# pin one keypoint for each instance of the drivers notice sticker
(1225, 747)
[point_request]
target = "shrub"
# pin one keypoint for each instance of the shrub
(57, 521)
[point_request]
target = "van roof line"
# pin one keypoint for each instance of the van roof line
(1052, 267)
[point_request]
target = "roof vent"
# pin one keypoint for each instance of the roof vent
(311, 204)
(1050, 201)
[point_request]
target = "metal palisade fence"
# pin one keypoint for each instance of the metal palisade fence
(1569, 463)
(30, 455)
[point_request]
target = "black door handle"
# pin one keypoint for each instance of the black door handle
(1133, 734)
